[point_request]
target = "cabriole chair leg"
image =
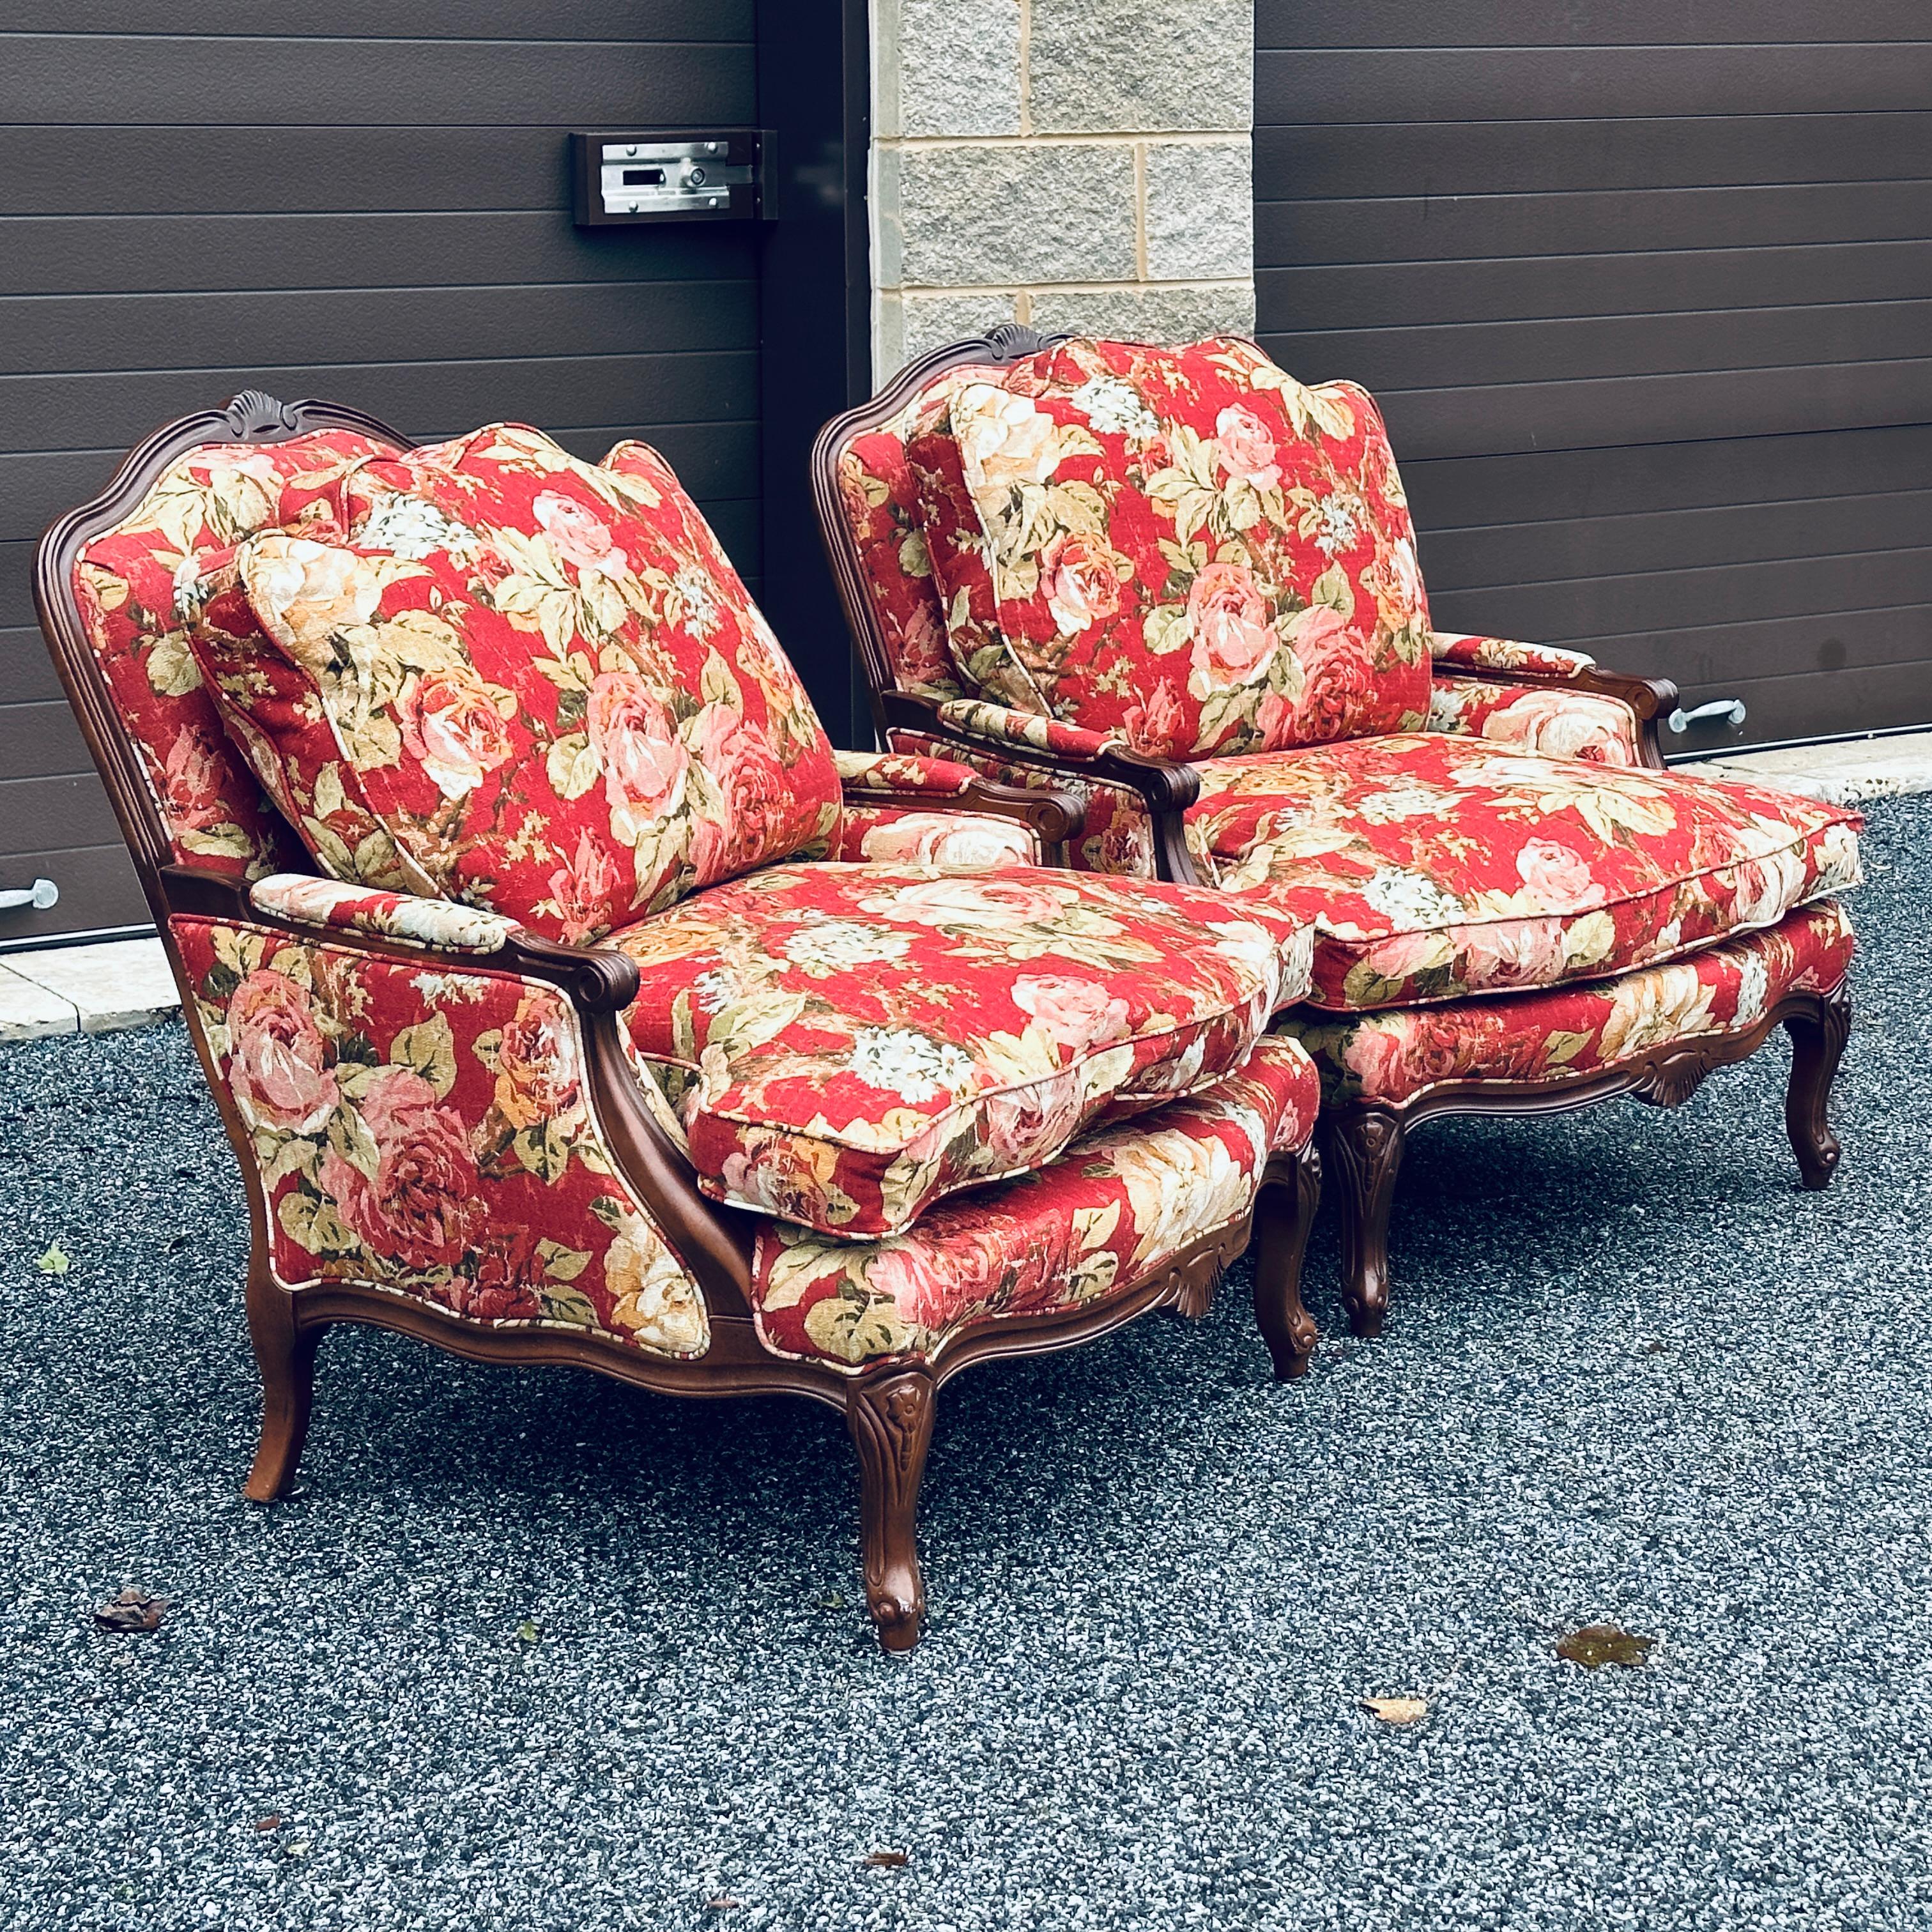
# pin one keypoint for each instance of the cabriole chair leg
(1817, 1045)
(890, 1417)
(1283, 1216)
(285, 1354)
(1365, 1145)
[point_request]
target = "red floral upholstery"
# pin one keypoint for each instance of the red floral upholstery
(304, 900)
(846, 1044)
(1117, 1206)
(879, 497)
(526, 681)
(1552, 722)
(126, 582)
(1571, 1031)
(428, 1133)
(1457, 648)
(966, 842)
(1175, 545)
(1438, 866)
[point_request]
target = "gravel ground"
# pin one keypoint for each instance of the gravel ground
(532, 1650)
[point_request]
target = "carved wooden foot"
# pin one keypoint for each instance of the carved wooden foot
(1284, 1215)
(1817, 1045)
(1365, 1149)
(286, 1356)
(890, 1417)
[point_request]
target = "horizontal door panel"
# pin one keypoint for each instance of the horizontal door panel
(1472, 491)
(1588, 547)
(41, 741)
(711, 460)
(1292, 24)
(98, 892)
(1383, 294)
(1453, 228)
(1439, 158)
(45, 815)
(59, 334)
(27, 674)
(638, 21)
(1622, 607)
(1657, 409)
(266, 169)
(1711, 657)
(302, 83)
(1878, 697)
(424, 399)
(1485, 353)
(1491, 83)
(118, 255)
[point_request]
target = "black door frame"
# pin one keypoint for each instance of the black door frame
(815, 321)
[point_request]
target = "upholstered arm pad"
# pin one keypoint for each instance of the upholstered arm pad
(440, 924)
(867, 776)
(1549, 720)
(882, 833)
(999, 724)
(1452, 649)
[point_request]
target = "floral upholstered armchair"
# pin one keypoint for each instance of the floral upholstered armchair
(568, 998)
(1185, 586)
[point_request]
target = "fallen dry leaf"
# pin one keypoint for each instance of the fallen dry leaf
(1397, 1710)
(722, 1903)
(54, 1262)
(528, 1632)
(132, 1610)
(1596, 1644)
(272, 1822)
(885, 1858)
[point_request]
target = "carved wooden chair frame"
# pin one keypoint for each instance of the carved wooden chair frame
(890, 1409)
(1364, 1137)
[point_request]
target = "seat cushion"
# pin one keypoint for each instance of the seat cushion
(1119, 1205)
(1185, 546)
(1438, 866)
(1566, 1033)
(846, 1043)
(532, 683)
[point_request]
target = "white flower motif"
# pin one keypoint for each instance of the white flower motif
(1339, 524)
(408, 527)
(830, 945)
(715, 991)
(1411, 901)
(1753, 985)
(695, 587)
(1398, 801)
(908, 1064)
(1114, 407)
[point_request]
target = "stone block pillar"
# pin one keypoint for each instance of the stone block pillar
(1076, 164)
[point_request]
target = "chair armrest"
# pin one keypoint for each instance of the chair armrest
(1166, 788)
(1504, 661)
(598, 979)
(878, 778)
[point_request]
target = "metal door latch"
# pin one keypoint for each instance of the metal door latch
(660, 175)
(1730, 709)
(42, 894)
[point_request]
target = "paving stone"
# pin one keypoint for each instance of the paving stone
(30, 1012)
(1843, 774)
(122, 982)
(1141, 67)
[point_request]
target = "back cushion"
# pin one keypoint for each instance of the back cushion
(879, 498)
(1184, 546)
(126, 583)
(515, 679)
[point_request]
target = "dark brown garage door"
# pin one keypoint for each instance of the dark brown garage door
(382, 216)
(1646, 290)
